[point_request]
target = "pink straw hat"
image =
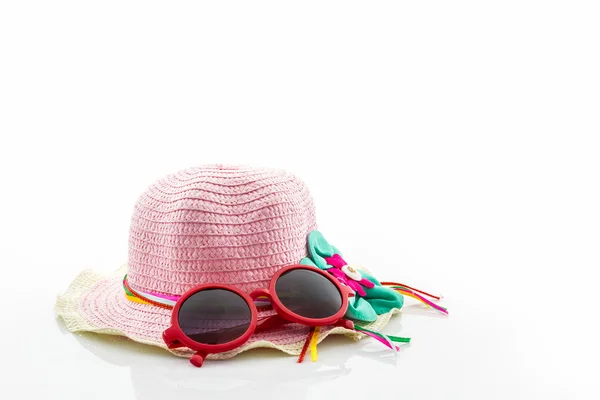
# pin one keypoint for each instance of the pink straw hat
(209, 224)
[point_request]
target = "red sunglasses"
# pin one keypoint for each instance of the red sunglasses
(214, 318)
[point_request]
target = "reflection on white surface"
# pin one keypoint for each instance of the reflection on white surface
(157, 374)
(462, 356)
(490, 347)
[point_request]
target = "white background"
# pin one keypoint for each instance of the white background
(450, 145)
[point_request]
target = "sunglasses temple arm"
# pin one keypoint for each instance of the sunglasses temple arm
(172, 342)
(345, 323)
(198, 359)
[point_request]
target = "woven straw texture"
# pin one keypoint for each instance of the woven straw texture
(209, 224)
(232, 225)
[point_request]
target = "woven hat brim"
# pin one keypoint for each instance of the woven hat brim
(97, 303)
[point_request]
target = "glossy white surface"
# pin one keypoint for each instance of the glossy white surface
(449, 145)
(494, 345)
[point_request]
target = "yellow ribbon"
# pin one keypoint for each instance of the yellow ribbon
(313, 344)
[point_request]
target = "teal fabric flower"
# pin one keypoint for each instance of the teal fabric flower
(371, 298)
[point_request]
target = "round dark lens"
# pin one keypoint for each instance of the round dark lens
(214, 316)
(308, 294)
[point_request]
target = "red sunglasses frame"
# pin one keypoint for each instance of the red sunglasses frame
(175, 338)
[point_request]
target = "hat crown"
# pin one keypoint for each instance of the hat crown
(218, 224)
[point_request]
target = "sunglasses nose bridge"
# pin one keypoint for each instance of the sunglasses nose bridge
(260, 293)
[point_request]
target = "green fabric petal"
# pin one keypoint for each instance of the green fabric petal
(360, 310)
(308, 261)
(319, 248)
(383, 299)
(370, 277)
